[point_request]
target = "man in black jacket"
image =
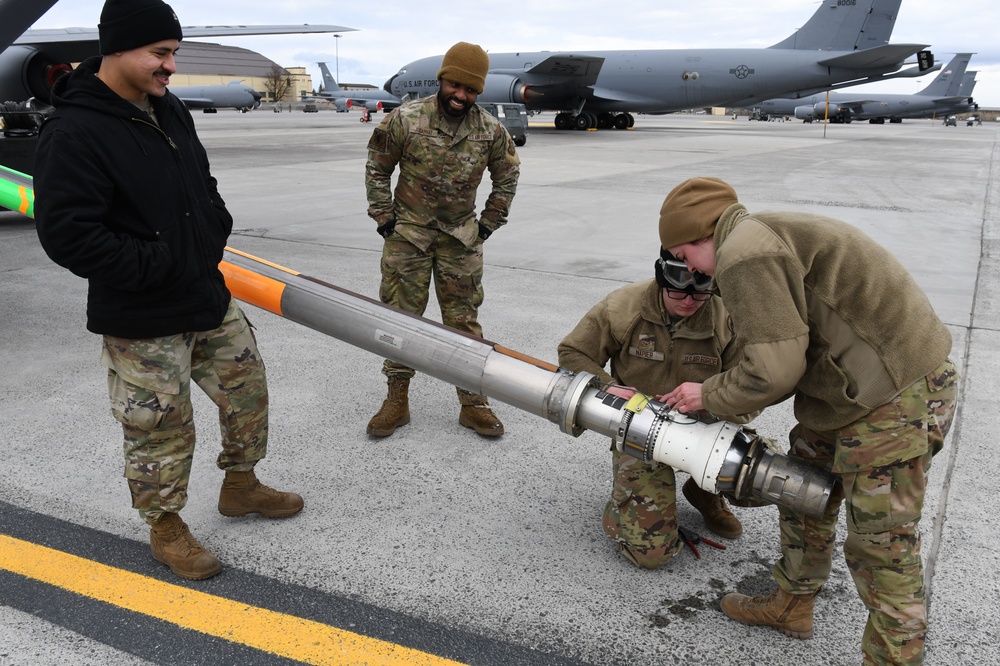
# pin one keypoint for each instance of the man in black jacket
(125, 199)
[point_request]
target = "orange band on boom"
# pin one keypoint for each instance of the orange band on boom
(253, 288)
(527, 359)
(26, 200)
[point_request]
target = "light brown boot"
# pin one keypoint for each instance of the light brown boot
(791, 614)
(395, 409)
(718, 518)
(242, 493)
(172, 543)
(481, 419)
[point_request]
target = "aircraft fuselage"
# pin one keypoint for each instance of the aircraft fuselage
(642, 81)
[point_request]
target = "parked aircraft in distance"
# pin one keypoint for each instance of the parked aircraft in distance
(845, 42)
(209, 98)
(966, 103)
(941, 93)
(373, 100)
(31, 60)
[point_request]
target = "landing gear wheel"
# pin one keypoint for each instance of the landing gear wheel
(621, 121)
(583, 121)
(564, 121)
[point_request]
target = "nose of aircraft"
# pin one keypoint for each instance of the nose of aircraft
(388, 84)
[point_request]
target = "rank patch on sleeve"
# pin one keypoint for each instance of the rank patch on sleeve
(379, 141)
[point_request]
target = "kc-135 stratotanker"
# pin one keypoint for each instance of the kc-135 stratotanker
(845, 43)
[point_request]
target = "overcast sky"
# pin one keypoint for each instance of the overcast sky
(392, 33)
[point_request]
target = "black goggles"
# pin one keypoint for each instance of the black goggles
(695, 295)
(679, 277)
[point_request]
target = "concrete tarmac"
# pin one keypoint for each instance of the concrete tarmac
(500, 540)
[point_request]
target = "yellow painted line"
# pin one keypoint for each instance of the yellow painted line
(284, 635)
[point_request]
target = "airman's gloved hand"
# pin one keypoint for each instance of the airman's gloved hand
(385, 230)
(484, 233)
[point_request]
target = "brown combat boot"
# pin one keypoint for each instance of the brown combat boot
(481, 419)
(242, 493)
(395, 409)
(172, 543)
(791, 614)
(718, 518)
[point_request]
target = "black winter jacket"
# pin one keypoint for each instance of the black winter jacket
(133, 208)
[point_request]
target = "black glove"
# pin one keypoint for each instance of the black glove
(385, 230)
(484, 233)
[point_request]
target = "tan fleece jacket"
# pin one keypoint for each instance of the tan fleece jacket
(629, 328)
(819, 310)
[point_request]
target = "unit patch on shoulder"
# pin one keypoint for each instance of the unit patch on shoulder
(379, 141)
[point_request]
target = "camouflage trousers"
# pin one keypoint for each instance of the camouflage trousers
(884, 503)
(458, 285)
(149, 383)
(641, 516)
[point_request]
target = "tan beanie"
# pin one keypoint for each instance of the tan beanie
(690, 211)
(466, 64)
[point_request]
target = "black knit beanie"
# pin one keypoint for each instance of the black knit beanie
(129, 24)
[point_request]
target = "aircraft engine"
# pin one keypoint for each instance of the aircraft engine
(373, 105)
(505, 88)
(834, 110)
(25, 73)
(804, 113)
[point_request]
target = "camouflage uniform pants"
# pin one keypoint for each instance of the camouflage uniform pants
(149, 383)
(641, 516)
(458, 284)
(884, 504)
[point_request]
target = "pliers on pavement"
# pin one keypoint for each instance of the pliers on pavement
(691, 538)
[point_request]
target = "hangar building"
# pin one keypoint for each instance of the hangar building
(203, 63)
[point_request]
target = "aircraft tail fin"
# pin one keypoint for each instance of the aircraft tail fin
(948, 82)
(845, 25)
(968, 83)
(329, 83)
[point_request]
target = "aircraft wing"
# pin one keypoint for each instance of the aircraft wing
(198, 102)
(559, 72)
(53, 35)
(880, 56)
(856, 103)
(582, 69)
(76, 44)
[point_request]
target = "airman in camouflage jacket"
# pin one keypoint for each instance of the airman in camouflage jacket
(439, 172)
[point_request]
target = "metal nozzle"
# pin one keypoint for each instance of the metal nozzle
(791, 483)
